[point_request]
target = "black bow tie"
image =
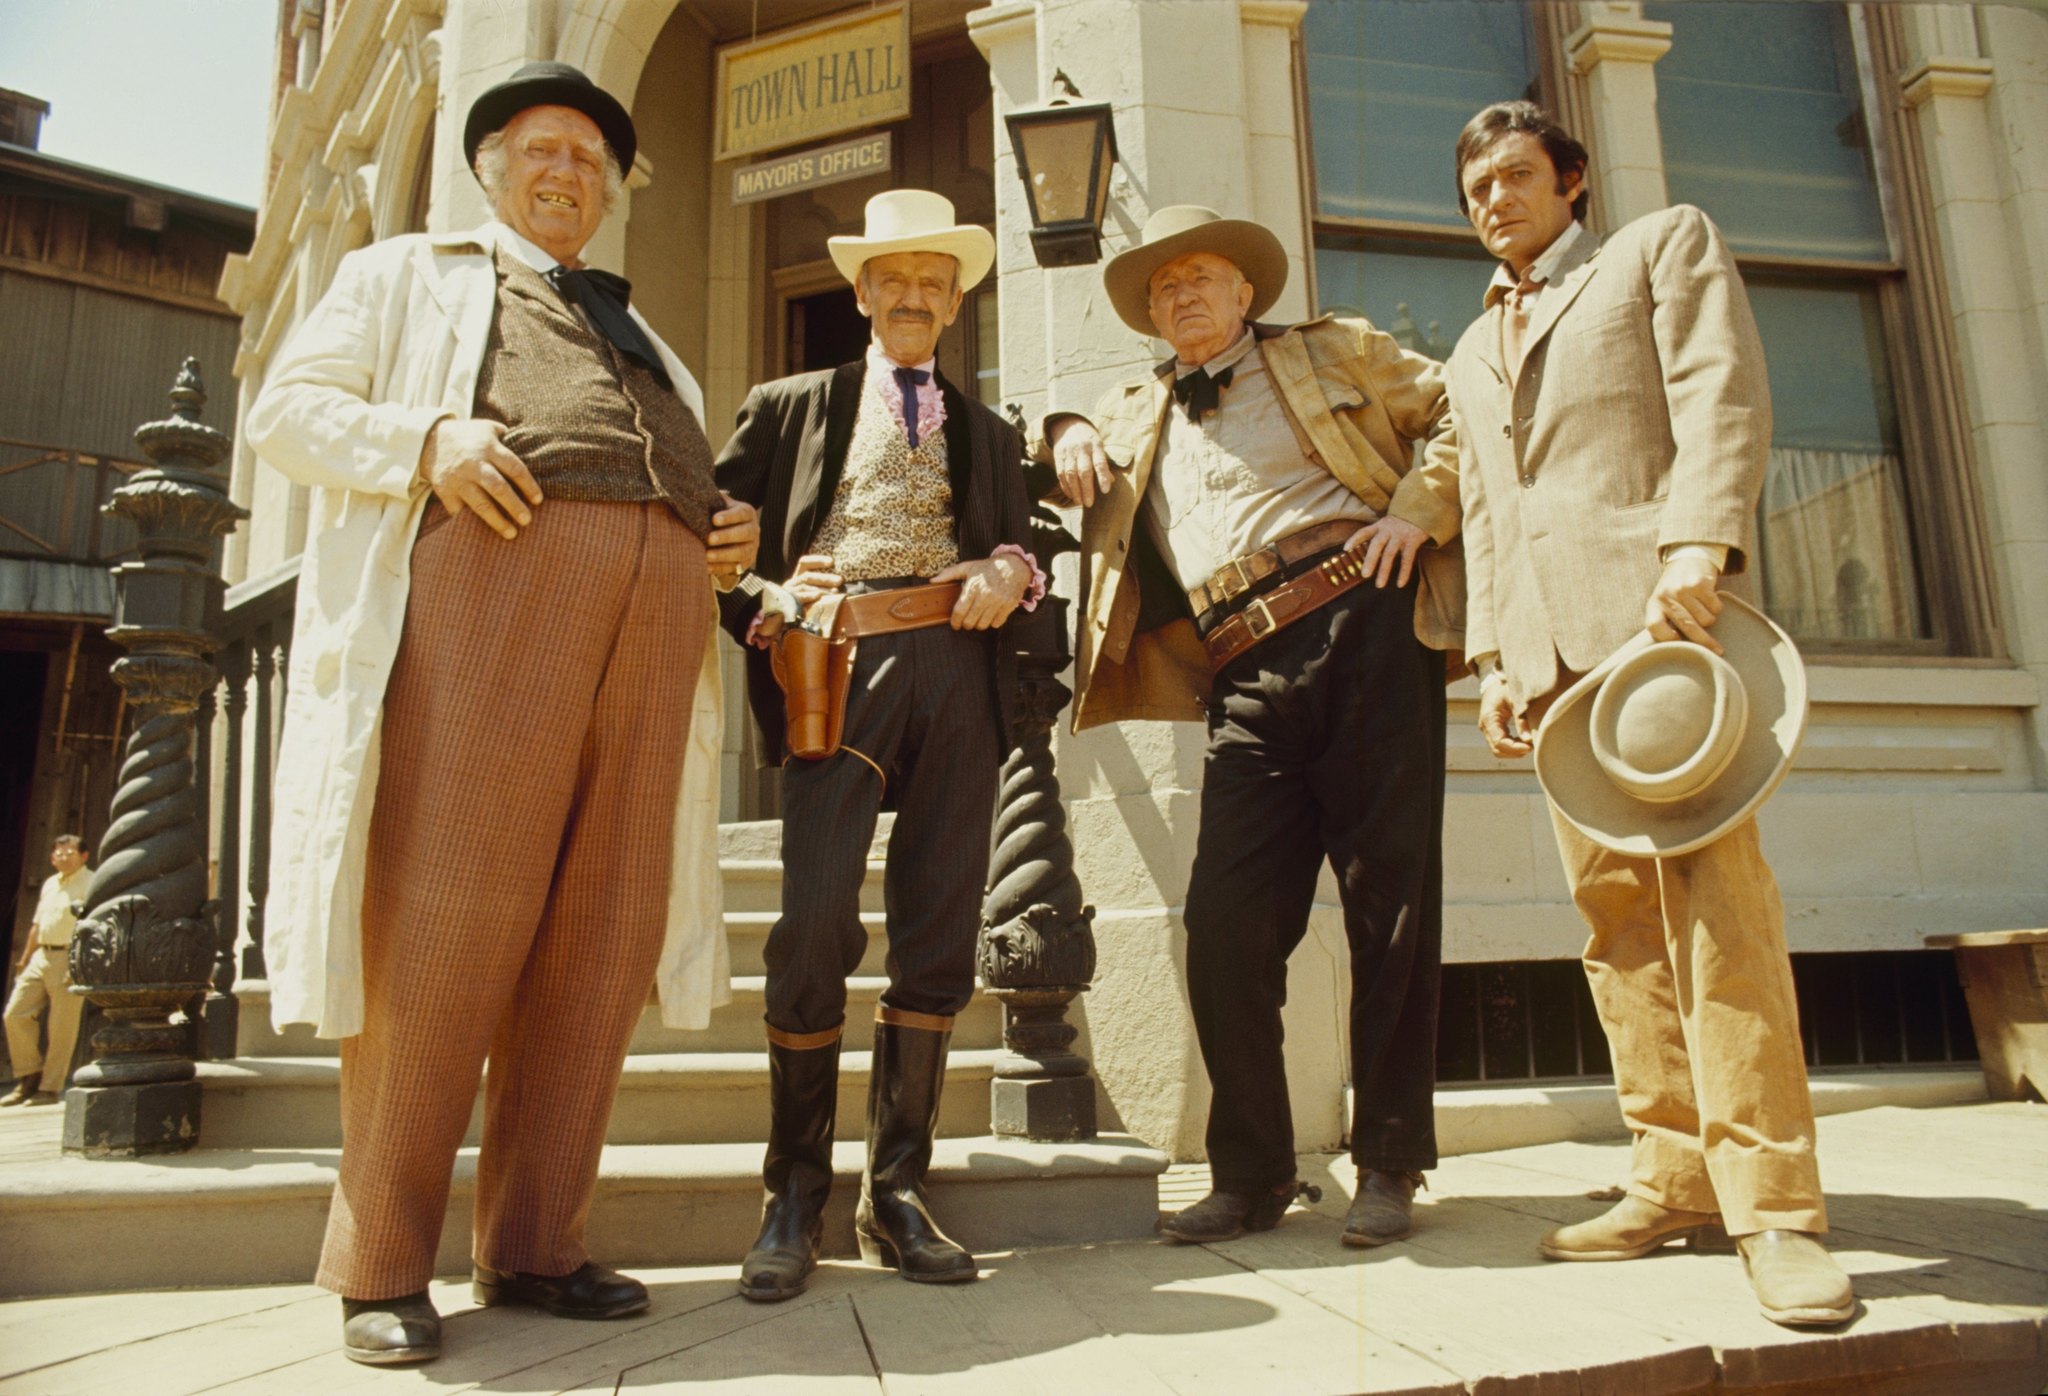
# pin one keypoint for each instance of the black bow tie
(603, 299)
(907, 379)
(1201, 392)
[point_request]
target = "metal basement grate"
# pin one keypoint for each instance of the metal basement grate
(1534, 1020)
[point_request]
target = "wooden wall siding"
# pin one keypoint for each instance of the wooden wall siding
(88, 241)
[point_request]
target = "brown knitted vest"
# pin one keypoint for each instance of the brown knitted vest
(589, 423)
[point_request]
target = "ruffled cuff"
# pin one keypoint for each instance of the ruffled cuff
(1034, 593)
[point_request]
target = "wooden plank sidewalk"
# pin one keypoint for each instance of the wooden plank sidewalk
(1940, 1214)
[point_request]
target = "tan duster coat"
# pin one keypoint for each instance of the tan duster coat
(1641, 419)
(1362, 402)
(393, 347)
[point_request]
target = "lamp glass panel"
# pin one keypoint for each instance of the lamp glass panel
(1059, 156)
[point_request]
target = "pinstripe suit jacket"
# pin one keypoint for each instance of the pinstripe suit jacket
(1641, 419)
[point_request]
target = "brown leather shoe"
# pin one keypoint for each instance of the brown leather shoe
(1631, 1228)
(1223, 1215)
(588, 1291)
(1380, 1211)
(390, 1332)
(23, 1092)
(1797, 1282)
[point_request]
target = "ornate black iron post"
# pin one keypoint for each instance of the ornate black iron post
(146, 944)
(1037, 949)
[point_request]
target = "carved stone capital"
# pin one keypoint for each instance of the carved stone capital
(1622, 38)
(1946, 77)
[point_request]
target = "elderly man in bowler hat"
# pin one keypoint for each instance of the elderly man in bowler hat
(496, 800)
(1259, 553)
(1617, 427)
(889, 495)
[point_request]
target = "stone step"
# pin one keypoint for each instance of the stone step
(735, 1027)
(672, 1098)
(229, 1217)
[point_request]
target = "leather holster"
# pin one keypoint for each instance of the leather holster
(813, 665)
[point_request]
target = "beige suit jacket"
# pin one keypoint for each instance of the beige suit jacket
(1641, 419)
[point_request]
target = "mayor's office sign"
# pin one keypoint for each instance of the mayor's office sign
(812, 169)
(815, 80)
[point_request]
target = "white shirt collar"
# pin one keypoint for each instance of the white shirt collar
(1543, 268)
(880, 364)
(519, 247)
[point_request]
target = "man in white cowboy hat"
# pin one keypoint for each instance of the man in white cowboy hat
(1259, 553)
(1616, 422)
(896, 505)
(501, 741)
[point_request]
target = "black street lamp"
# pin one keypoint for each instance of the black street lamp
(1064, 153)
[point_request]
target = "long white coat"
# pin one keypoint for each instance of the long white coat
(394, 346)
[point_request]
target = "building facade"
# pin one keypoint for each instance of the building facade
(106, 284)
(1869, 164)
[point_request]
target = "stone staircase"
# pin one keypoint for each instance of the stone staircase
(680, 1180)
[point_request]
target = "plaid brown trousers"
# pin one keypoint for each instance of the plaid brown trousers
(518, 879)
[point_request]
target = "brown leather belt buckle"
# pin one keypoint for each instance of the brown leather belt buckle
(1231, 579)
(1258, 619)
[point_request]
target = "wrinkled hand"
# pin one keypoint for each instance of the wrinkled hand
(1387, 541)
(1504, 734)
(1685, 602)
(468, 466)
(813, 579)
(1079, 460)
(990, 590)
(734, 543)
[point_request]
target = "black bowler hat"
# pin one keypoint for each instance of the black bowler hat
(550, 85)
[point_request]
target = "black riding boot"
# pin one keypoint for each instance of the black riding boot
(894, 1222)
(803, 1086)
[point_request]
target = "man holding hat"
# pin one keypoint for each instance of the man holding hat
(1616, 425)
(496, 798)
(1259, 553)
(896, 508)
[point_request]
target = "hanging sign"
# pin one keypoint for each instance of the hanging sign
(816, 80)
(811, 169)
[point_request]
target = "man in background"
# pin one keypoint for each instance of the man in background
(44, 981)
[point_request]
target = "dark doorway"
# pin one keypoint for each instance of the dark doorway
(824, 331)
(23, 675)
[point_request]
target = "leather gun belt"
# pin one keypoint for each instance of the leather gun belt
(904, 608)
(1275, 610)
(1240, 575)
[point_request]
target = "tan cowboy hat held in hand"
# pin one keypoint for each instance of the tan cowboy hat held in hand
(1665, 747)
(916, 220)
(1179, 230)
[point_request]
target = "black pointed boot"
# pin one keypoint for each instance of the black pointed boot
(803, 1090)
(894, 1222)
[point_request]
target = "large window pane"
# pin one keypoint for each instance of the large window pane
(1764, 128)
(1423, 293)
(1390, 85)
(1836, 549)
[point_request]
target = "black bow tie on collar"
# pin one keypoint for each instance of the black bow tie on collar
(1201, 392)
(603, 298)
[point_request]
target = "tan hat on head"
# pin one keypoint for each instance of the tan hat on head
(915, 220)
(1178, 230)
(1666, 746)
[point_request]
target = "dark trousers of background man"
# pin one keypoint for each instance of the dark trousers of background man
(921, 709)
(1325, 741)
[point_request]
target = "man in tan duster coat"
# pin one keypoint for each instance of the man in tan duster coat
(1615, 425)
(497, 790)
(1258, 554)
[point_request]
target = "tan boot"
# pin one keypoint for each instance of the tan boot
(1631, 1228)
(1797, 1282)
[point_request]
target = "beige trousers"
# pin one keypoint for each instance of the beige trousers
(46, 983)
(1688, 969)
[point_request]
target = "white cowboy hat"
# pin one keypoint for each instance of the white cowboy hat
(916, 220)
(1664, 747)
(1178, 230)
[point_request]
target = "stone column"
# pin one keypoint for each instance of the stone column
(1204, 111)
(146, 944)
(1979, 176)
(1616, 50)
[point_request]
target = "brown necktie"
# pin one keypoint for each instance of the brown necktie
(1514, 323)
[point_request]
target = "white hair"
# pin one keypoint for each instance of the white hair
(490, 168)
